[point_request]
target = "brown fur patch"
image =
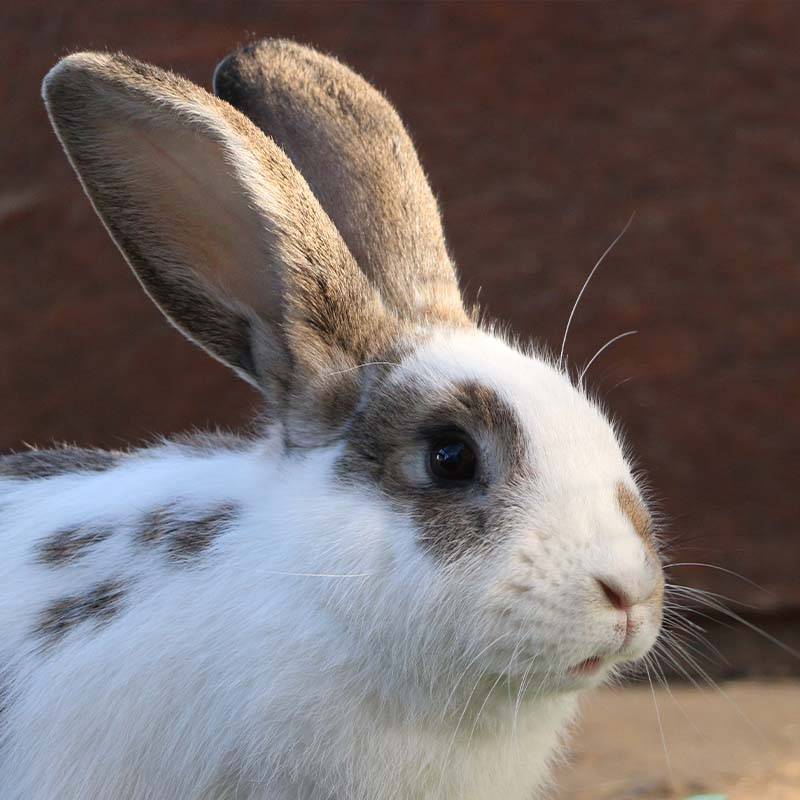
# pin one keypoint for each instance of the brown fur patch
(184, 538)
(634, 509)
(35, 464)
(352, 148)
(255, 271)
(99, 605)
(321, 409)
(392, 436)
(69, 545)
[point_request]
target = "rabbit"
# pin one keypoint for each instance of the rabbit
(398, 585)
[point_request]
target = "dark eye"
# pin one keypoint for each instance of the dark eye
(452, 460)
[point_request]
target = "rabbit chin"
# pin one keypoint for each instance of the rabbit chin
(527, 676)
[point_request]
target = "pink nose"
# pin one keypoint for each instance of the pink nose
(616, 596)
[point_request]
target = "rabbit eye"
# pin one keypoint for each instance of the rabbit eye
(452, 460)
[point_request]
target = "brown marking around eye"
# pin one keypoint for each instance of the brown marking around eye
(387, 433)
(69, 544)
(634, 509)
(496, 416)
(99, 605)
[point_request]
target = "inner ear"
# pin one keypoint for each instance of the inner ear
(185, 179)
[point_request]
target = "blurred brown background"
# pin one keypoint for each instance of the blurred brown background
(543, 127)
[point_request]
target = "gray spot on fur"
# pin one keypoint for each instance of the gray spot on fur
(99, 605)
(184, 537)
(155, 527)
(69, 544)
(5, 706)
(35, 464)
(396, 428)
(5, 698)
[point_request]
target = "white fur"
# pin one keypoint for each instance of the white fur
(315, 650)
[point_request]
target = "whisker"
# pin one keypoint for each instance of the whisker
(455, 732)
(710, 602)
(521, 692)
(361, 366)
(720, 569)
(664, 653)
(604, 347)
(618, 384)
(483, 705)
(714, 685)
(694, 648)
(466, 669)
(586, 283)
(322, 574)
(711, 618)
(674, 611)
(520, 638)
(662, 679)
(660, 728)
(697, 633)
(705, 594)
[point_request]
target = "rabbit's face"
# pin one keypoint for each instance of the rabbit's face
(530, 540)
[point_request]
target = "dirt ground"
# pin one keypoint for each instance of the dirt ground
(741, 742)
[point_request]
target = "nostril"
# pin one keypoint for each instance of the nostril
(615, 596)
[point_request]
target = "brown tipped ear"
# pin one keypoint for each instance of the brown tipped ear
(353, 150)
(220, 228)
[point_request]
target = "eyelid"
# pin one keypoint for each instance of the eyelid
(434, 433)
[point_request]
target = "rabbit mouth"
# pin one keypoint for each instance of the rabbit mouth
(588, 667)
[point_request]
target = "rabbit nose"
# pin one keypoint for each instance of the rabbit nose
(615, 595)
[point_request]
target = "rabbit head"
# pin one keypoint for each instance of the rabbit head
(287, 227)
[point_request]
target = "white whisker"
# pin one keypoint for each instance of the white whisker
(361, 366)
(604, 347)
(322, 574)
(719, 569)
(586, 283)
(708, 598)
(660, 728)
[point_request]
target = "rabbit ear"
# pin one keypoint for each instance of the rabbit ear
(353, 150)
(220, 228)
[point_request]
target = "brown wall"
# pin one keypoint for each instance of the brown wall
(543, 127)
